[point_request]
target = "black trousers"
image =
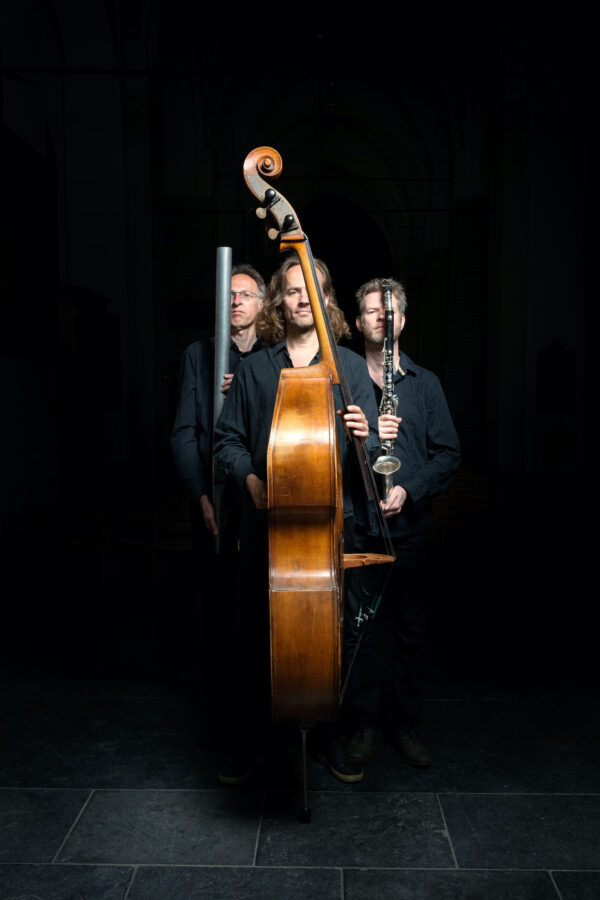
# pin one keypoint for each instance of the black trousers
(249, 703)
(385, 685)
(216, 628)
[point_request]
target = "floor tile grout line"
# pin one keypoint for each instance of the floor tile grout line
(554, 884)
(77, 818)
(201, 790)
(130, 865)
(259, 829)
(131, 880)
(447, 830)
(519, 793)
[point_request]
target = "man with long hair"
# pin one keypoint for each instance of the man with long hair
(286, 323)
(271, 321)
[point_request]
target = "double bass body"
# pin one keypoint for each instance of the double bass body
(305, 497)
(305, 548)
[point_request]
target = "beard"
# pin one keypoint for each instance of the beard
(299, 323)
(376, 337)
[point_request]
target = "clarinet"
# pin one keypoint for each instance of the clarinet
(387, 463)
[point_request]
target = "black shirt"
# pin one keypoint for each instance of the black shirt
(243, 429)
(427, 445)
(191, 438)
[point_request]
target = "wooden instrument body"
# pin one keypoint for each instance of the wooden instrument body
(306, 534)
(305, 499)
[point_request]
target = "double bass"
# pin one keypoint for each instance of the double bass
(305, 499)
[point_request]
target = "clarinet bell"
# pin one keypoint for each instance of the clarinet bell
(386, 465)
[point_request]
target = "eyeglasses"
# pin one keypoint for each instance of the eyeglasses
(243, 295)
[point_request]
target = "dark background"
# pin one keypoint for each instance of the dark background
(450, 148)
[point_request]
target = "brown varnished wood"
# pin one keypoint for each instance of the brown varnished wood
(305, 501)
(305, 548)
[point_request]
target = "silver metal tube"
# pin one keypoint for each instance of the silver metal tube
(222, 325)
(222, 342)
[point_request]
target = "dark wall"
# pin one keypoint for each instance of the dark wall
(453, 154)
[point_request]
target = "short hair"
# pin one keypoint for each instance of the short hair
(250, 271)
(376, 284)
(270, 323)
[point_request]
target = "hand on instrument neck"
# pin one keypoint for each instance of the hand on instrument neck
(355, 421)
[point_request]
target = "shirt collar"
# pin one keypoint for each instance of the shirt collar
(406, 365)
(281, 347)
(258, 343)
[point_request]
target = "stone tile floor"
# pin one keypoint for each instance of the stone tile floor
(108, 790)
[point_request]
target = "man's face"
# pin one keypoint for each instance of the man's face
(245, 302)
(296, 304)
(371, 321)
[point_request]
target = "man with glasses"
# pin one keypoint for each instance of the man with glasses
(191, 438)
(191, 445)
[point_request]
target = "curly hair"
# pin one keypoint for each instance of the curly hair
(270, 323)
(375, 285)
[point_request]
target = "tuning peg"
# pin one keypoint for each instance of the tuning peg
(289, 223)
(271, 198)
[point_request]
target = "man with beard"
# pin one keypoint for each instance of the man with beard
(426, 443)
(241, 440)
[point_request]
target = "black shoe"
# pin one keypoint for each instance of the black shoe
(340, 764)
(410, 748)
(238, 767)
(361, 745)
